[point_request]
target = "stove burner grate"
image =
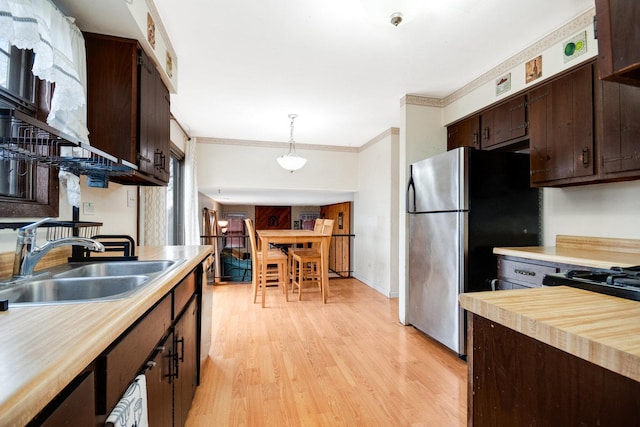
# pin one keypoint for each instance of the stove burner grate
(616, 281)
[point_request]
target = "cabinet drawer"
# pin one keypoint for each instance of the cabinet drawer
(123, 362)
(183, 292)
(523, 273)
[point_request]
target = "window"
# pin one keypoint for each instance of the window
(175, 204)
(17, 82)
(26, 188)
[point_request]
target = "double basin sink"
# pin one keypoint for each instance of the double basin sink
(80, 282)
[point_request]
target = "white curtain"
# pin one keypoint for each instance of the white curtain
(154, 216)
(191, 213)
(59, 57)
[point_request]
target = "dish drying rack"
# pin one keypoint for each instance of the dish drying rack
(24, 138)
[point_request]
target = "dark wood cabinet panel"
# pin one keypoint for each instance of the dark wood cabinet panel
(128, 107)
(515, 380)
(76, 408)
(618, 40)
(112, 95)
(465, 133)
(159, 386)
(504, 123)
(123, 361)
(618, 129)
(561, 128)
(186, 379)
(273, 217)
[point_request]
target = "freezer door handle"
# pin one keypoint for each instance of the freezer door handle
(411, 192)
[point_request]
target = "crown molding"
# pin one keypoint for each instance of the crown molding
(380, 137)
(422, 101)
(271, 144)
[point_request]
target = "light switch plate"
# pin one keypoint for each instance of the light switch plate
(88, 208)
(131, 198)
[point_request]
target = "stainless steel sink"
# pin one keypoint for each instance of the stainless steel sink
(72, 289)
(78, 283)
(116, 268)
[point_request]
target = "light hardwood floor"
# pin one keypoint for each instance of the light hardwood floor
(346, 363)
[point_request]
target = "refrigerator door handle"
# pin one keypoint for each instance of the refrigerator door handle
(411, 192)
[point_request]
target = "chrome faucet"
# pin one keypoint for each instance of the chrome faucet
(28, 253)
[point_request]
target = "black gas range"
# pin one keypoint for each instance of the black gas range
(616, 281)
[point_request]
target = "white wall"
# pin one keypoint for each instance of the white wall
(375, 244)
(254, 166)
(599, 210)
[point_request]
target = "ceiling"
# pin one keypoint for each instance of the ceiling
(244, 65)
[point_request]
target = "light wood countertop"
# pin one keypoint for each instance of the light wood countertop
(602, 329)
(45, 347)
(591, 252)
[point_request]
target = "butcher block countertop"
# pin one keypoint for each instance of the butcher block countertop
(598, 328)
(594, 252)
(45, 347)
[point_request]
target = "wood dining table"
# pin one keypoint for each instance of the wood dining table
(284, 237)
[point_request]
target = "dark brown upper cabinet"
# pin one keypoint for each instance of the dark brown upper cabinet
(465, 133)
(617, 23)
(617, 108)
(504, 124)
(561, 137)
(128, 108)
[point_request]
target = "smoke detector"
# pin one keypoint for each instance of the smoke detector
(396, 19)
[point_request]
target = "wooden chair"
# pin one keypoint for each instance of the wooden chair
(276, 264)
(307, 263)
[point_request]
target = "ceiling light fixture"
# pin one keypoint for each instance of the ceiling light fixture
(291, 161)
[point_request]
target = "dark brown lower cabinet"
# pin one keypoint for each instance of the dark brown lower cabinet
(515, 380)
(163, 343)
(75, 405)
(186, 374)
(159, 386)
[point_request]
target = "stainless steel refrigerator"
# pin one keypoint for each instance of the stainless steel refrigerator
(461, 205)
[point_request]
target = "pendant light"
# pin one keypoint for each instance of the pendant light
(291, 161)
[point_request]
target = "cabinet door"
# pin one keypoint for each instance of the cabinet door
(186, 379)
(154, 119)
(618, 127)
(504, 123)
(112, 88)
(122, 363)
(618, 43)
(159, 386)
(465, 133)
(561, 129)
(77, 408)
(163, 117)
(147, 118)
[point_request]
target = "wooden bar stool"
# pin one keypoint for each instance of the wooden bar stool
(306, 264)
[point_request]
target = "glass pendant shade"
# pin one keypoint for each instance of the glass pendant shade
(291, 162)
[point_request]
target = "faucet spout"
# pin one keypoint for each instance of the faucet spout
(28, 253)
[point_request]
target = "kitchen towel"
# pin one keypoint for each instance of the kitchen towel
(72, 183)
(131, 410)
